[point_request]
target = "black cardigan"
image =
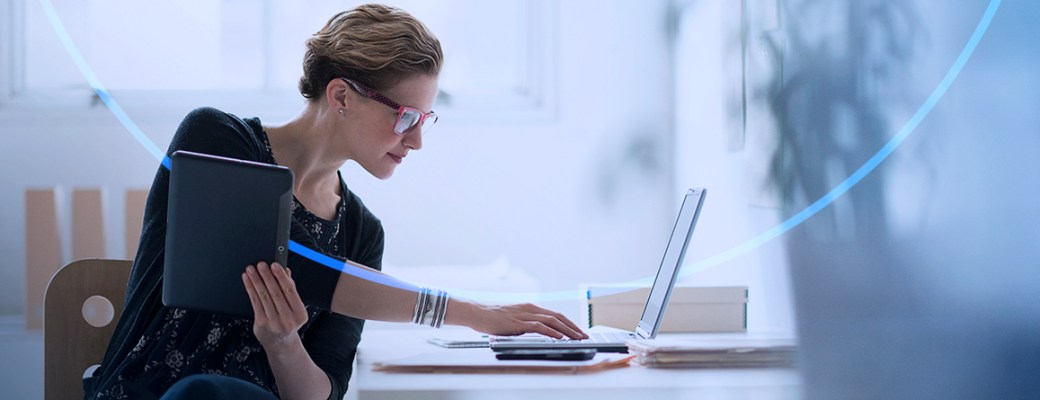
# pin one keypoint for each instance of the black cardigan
(330, 339)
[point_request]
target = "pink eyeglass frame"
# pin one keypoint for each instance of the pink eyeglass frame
(401, 110)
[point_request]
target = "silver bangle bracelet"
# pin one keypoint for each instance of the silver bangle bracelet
(417, 315)
(430, 308)
(439, 317)
(433, 309)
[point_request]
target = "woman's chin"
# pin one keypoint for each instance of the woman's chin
(382, 172)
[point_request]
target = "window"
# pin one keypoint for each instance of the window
(497, 53)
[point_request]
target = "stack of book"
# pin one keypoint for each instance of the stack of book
(714, 353)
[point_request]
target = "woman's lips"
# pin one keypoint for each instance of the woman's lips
(396, 158)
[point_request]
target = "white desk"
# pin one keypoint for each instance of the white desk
(632, 383)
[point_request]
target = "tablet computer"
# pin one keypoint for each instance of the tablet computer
(224, 214)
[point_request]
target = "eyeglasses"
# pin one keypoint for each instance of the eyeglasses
(407, 117)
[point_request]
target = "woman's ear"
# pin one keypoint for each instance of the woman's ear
(337, 95)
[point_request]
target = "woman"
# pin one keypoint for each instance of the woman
(370, 78)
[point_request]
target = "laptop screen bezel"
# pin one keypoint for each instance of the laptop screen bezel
(648, 329)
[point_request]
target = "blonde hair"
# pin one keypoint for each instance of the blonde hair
(373, 44)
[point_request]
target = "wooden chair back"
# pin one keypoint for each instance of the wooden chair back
(82, 304)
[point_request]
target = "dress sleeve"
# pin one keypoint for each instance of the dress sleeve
(317, 282)
(332, 344)
(373, 254)
(333, 339)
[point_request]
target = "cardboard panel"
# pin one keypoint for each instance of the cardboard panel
(690, 309)
(88, 228)
(42, 251)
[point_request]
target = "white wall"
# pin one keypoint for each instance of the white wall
(704, 84)
(555, 196)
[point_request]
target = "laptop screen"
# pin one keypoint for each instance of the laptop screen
(653, 313)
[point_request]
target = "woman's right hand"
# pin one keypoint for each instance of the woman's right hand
(513, 320)
(278, 312)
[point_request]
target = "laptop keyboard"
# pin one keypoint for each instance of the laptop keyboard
(605, 337)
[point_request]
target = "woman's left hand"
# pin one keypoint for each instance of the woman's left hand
(278, 310)
(515, 319)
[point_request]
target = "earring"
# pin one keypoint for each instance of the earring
(342, 111)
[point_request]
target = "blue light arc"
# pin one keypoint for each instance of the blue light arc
(687, 269)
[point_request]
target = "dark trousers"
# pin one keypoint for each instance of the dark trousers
(206, 386)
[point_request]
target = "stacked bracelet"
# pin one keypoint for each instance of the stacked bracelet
(430, 307)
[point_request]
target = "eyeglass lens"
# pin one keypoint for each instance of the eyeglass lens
(409, 118)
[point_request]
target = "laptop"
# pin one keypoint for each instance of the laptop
(653, 312)
(224, 214)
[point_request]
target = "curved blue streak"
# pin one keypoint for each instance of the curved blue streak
(95, 83)
(871, 164)
(689, 269)
(123, 118)
(353, 270)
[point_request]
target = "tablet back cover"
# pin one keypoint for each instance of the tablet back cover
(224, 214)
